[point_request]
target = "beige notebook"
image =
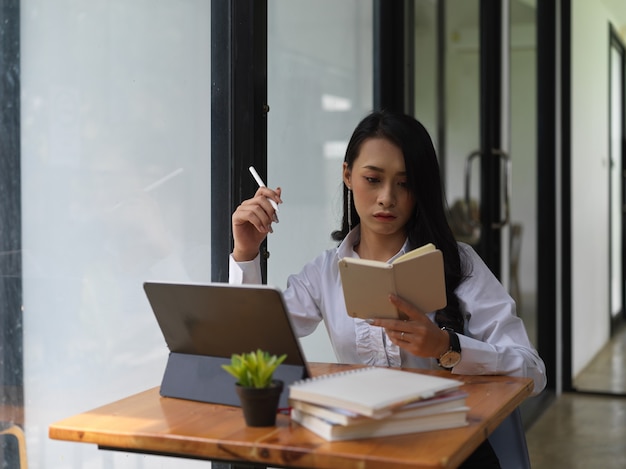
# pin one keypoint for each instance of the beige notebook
(417, 276)
(372, 391)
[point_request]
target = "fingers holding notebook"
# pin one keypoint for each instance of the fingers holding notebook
(416, 334)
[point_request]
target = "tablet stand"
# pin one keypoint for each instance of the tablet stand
(202, 378)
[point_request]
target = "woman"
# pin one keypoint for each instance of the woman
(393, 202)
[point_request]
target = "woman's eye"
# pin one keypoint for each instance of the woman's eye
(371, 180)
(403, 184)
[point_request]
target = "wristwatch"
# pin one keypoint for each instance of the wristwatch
(451, 358)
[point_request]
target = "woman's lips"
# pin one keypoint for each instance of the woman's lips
(384, 216)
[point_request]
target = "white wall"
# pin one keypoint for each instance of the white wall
(590, 178)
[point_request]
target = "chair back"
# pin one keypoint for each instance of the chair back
(16, 432)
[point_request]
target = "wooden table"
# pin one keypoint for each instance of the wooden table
(149, 423)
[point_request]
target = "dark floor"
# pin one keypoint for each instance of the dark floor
(607, 371)
(586, 430)
(580, 431)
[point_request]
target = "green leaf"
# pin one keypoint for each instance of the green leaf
(254, 369)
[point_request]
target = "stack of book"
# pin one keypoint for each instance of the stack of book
(372, 402)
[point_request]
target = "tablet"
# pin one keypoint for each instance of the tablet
(205, 324)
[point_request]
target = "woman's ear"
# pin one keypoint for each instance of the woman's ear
(347, 176)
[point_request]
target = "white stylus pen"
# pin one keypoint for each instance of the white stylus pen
(260, 182)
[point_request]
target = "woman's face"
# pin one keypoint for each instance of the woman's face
(379, 187)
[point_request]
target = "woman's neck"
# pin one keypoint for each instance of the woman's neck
(379, 247)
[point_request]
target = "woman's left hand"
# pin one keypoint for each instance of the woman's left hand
(416, 334)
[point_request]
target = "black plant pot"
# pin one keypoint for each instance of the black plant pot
(260, 405)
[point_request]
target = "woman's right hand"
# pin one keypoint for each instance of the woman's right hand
(252, 221)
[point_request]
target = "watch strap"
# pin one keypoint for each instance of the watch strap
(455, 343)
(451, 357)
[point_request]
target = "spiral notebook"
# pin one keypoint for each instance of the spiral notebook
(371, 391)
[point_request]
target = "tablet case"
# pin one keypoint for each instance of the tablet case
(203, 325)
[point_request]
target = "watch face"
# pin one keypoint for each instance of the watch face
(450, 359)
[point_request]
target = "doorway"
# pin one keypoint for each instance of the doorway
(605, 373)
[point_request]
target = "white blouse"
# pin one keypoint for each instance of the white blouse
(495, 339)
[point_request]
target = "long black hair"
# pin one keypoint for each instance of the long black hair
(428, 223)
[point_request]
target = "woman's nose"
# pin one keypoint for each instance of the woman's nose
(387, 197)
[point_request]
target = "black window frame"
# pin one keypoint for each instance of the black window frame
(238, 117)
(11, 324)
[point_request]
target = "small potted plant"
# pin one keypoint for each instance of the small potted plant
(258, 392)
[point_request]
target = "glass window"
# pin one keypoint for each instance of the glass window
(319, 87)
(115, 191)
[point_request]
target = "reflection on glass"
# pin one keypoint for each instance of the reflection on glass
(460, 109)
(523, 145)
(115, 183)
(319, 87)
